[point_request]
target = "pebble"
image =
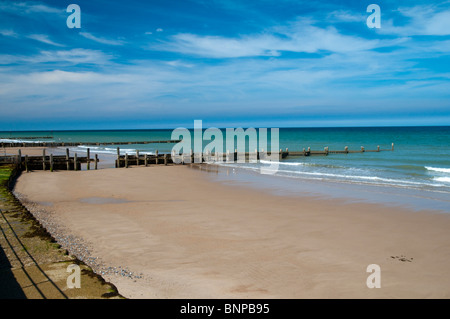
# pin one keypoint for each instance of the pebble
(74, 245)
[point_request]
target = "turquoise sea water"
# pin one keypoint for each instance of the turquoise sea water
(420, 162)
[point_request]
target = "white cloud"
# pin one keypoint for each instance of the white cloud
(438, 24)
(92, 37)
(44, 39)
(297, 37)
(28, 7)
(74, 56)
(220, 47)
(64, 57)
(9, 33)
(179, 64)
(234, 85)
(159, 30)
(424, 20)
(346, 16)
(42, 8)
(64, 77)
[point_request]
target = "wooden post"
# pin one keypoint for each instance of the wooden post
(362, 148)
(309, 149)
(126, 160)
(75, 168)
(326, 150)
(96, 161)
(19, 157)
(165, 159)
(118, 157)
(146, 160)
(156, 159)
(137, 157)
(67, 159)
(43, 159)
(346, 149)
(88, 166)
(392, 146)
(26, 163)
(378, 148)
(281, 154)
(51, 162)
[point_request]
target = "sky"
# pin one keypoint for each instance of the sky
(163, 64)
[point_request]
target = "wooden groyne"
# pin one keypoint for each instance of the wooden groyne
(66, 162)
(327, 151)
(128, 160)
(74, 144)
(48, 162)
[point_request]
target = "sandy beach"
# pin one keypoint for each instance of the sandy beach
(189, 237)
(30, 151)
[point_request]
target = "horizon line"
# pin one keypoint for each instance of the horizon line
(221, 128)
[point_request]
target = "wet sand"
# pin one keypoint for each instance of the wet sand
(194, 238)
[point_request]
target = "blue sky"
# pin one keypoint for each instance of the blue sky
(162, 64)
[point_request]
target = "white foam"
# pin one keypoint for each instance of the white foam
(348, 178)
(282, 163)
(442, 179)
(8, 140)
(438, 169)
(109, 150)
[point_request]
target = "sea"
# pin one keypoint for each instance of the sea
(415, 174)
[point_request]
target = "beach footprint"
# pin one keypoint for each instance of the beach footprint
(402, 258)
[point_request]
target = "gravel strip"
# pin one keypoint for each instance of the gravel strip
(74, 245)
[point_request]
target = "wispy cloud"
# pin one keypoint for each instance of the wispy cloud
(62, 57)
(44, 39)
(101, 40)
(423, 20)
(346, 16)
(221, 47)
(179, 63)
(25, 8)
(74, 56)
(296, 37)
(66, 77)
(9, 33)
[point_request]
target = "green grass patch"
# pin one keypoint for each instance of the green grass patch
(5, 173)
